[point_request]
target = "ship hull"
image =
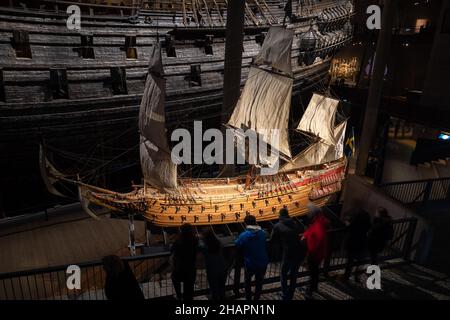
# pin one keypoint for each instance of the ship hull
(223, 201)
(95, 117)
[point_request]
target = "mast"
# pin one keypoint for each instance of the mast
(156, 163)
(376, 86)
(264, 104)
(233, 56)
(234, 46)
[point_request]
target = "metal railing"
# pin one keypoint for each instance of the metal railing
(421, 191)
(153, 271)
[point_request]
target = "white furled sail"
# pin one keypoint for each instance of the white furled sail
(157, 166)
(340, 137)
(320, 152)
(265, 101)
(276, 50)
(319, 118)
(49, 173)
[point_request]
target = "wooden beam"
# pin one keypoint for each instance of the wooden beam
(233, 55)
(207, 14)
(184, 12)
(376, 86)
(218, 12)
(251, 15)
(262, 12)
(194, 11)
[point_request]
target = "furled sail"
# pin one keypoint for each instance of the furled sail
(340, 137)
(319, 118)
(265, 101)
(157, 166)
(320, 152)
(49, 173)
(276, 50)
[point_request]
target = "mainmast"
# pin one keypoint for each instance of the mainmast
(265, 102)
(233, 56)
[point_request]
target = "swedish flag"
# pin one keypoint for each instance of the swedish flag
(349, 148)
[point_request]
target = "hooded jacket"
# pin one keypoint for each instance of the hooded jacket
(286, 231)
(317, 239)
(253, 243)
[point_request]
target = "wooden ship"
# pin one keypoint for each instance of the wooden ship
(77, 88)
(314, 175)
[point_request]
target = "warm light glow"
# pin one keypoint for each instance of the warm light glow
(421, 23)
(344, 69)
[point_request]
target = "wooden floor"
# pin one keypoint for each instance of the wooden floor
(70, 237)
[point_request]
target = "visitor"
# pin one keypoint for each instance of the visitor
(316, 237)
(184, 254)
(286, 231)
(199, 17)
(253, 244)
(216, 270)
(356, 239)
(379, 234)
(120, 282)
(287, 11)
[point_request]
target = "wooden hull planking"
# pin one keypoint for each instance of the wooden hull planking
(222, 201)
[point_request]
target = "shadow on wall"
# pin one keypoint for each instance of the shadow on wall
(359, 192)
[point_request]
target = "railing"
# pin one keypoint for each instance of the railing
(153, 271)
(421, 191)
(60, 6)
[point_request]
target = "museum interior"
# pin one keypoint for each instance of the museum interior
(153, 143)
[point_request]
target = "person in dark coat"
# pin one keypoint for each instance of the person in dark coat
(287, 11)
(120, 282)
(216, 269)
(380, 234)
(316, 237)
(286, 231)
(253, 244)
(356, 241)
(184, 256)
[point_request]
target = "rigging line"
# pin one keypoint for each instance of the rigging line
(108, 162)
(90, 157)
(234, 87)
(332, 94)
(60, 127)
(105, 172)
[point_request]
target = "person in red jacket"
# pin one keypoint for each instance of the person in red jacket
(316, 237)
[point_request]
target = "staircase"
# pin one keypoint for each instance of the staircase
(435, 169)
(442, 168)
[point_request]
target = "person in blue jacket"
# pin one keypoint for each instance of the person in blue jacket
(252, 242)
